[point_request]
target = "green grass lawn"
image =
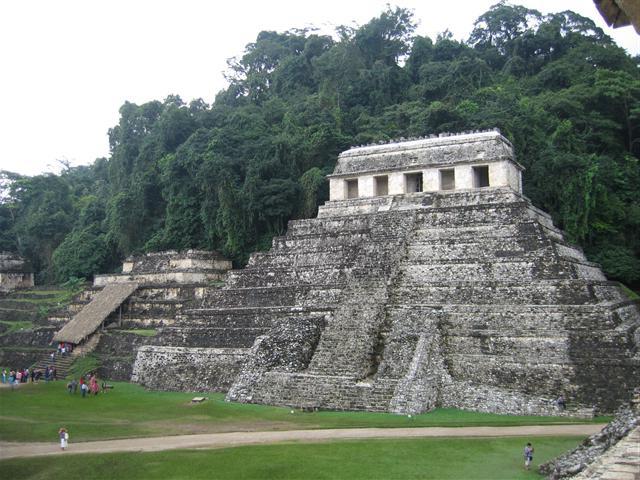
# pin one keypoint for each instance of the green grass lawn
(35, 412)
(428, 458)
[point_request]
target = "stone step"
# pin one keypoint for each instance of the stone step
(320, 391)
(300, 295)
(61, 363)
(287, 276)
(210, 337)
(239, 318)
(18, 304)
(545, 292)
(301, 242)
(16, 315)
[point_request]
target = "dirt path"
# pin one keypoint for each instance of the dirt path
(223, 440)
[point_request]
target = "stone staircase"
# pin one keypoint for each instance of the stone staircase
(62, 364)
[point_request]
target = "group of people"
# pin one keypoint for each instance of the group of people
(65, 348)
(87, 387)
(28, 375)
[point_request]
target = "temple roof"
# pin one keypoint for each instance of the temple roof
(441, 151)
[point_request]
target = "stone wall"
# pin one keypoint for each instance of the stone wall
(588, 460)
(187, 369)
(116, 353)
(158, 262)
(162, 268)
(15, 272)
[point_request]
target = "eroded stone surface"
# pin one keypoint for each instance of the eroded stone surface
(15, 272)
(613, 453)
(467, 298)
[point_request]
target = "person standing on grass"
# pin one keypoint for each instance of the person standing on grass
(4, 375)
(64, 438)
(528, 456)
(93, 385)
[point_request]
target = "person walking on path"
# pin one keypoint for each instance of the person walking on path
(528, 456)
(64, 438)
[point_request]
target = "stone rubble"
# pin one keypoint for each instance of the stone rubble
(613, 453)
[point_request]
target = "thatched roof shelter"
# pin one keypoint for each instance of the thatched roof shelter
(85, 322)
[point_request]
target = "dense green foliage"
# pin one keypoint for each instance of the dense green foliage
(130, 411)
(418, 458)
(229, 176)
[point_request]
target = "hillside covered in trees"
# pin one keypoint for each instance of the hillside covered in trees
(228, 176)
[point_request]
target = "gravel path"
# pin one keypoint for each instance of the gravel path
(224, 440)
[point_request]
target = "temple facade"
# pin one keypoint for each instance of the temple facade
(439, 163)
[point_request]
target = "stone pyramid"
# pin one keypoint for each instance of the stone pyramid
(427, 280)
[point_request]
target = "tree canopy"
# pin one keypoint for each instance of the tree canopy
(229, 176)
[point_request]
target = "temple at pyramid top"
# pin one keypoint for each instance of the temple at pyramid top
(446, 162)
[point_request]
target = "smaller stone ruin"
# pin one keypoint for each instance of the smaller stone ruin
(124, 312)
(191, 266)
(15, 272)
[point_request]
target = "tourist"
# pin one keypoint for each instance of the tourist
(84, 389)
(19, 376)
(4, 375)
(93, 385)
(528, 456)
(64, 438)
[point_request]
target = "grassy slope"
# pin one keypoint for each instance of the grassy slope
(130, 411)
(373, 459)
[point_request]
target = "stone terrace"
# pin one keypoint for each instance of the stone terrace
(427, 280)
(466, 299)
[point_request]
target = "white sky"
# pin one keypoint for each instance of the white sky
(68, 65)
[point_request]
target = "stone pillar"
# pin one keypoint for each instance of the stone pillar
(366, 186)
(431, 180)
(337, 189)
(396, 183)
(464, 177)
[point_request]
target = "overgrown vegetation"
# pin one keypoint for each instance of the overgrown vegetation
(424, 458)
(83, 365)
(229, 176)
(130, 411)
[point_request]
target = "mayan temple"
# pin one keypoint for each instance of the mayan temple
(426, 280)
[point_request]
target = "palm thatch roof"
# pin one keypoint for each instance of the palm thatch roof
(85, 322)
